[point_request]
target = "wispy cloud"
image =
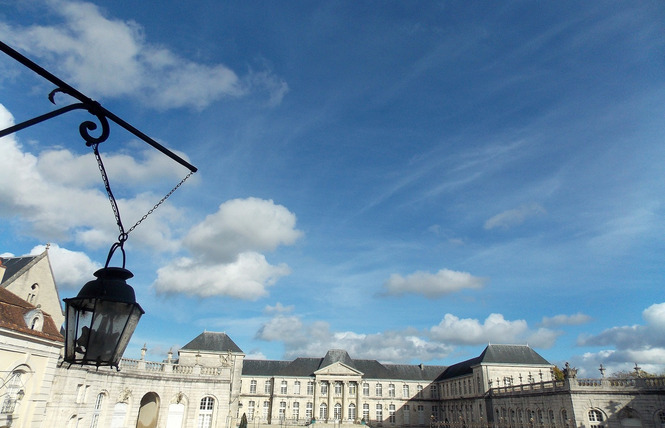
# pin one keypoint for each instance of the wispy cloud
(514, 217)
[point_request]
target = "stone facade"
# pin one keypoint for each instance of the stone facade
(212, 384)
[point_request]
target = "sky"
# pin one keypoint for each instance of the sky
(408, 181)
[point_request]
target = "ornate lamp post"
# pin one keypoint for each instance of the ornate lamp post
(101, 319)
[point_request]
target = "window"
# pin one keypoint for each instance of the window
(419, 388)
(391, 413)
(14, 393)
(310, 388)
(337, 412)
(379, 412)
(324, 388)
(352, 388)
(250, 410)
(205, 412)
(283, 388)
(366, 412)
(391, 390)
(432, 391)
(296, 387)
(541, 421)
(267, 387)
(266, 410)
(296, 411)
(352, 412)
(435, 412)
(379, 389)
(308, 411)
(97, 411)
(407, 414)
(595, 418)
(323, 412)
(338, 388)
(366, 389)
(252, 387)
(282, 410)
(405, 391)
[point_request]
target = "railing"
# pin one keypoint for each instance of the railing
(131, 365)
(650, 383)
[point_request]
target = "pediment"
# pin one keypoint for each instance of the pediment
(338, 369)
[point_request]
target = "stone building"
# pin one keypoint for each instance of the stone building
(30, 346)
(211, 384)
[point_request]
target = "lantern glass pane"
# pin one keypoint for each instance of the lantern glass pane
(107, 328)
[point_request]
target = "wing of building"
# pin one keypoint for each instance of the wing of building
(211, 383)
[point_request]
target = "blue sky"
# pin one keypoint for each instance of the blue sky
(408, 181)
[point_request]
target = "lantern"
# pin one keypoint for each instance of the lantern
(101, 319)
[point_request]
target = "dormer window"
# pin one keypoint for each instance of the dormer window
(34, 319)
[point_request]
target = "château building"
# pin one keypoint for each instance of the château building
(211, 383)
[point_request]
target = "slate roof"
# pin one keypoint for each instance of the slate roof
(12, 312)
(213, 342)
(496, 354)
(14, 265)
(371, 369)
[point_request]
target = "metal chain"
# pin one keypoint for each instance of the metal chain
(114, 206)
(161, 201)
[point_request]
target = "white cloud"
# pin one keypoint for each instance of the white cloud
(315, 339)
(104, 56)
(58, 195)
(627, 345)
(562, 319)
(514, 217)
(248, 277)
(71, 269)
(431, 285)
(635, 337)
(495, 329)
(240, 225)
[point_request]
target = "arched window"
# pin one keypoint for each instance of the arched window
(251, 409)
(205, 412)
(379, 412)
(352, 412)
(97, 411)
(252, 387)
(337, 412)
(14, 392)
(391, 413)
(323, 412)
(595, 418)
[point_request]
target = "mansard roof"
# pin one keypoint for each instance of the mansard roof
(211, 341)
(16, 265)
(371, 369)
(13, 310)
(496, 354)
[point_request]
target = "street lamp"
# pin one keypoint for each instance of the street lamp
(101, 319)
